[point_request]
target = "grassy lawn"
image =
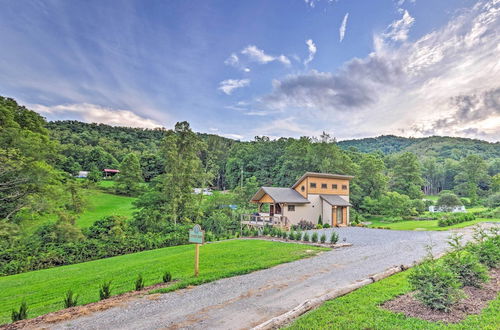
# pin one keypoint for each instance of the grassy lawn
(43, 290)
(423, 224)
(99, 205)
(360, 310)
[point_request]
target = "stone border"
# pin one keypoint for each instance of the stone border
(280, 240)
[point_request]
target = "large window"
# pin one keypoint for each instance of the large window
(291, 208)
(312, 185)
(324, 186)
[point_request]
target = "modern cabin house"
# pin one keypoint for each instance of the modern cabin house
(312, 196)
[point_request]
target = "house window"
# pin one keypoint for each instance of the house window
(344, 187)
(334, 186)
(324, 186)
(291, 208)
(302, 188)
(313, 185)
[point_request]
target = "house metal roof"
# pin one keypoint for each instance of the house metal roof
(322, 175)
(280, 195)
(335, 200)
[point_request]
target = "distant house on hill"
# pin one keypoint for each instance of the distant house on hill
(204, 191)
(110, 172)
(82, 174)
(312, 196)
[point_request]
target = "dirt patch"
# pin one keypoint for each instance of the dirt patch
(476, 300)
(74, 312)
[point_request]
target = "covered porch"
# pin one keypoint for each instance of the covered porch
(335, 210)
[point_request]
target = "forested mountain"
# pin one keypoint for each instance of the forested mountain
(435, 146)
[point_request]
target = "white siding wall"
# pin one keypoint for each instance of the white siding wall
(308, 212)
(327, 213)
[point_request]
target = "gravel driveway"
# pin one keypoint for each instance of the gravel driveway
(248, 300)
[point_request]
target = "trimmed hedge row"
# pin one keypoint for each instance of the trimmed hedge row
(456, 218)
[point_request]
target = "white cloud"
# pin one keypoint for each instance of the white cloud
(444, 83)
(343, 27)
(311, 47)
(258, 55)
(398, 30)
(93, 113)
(229, 85)
(232, 60)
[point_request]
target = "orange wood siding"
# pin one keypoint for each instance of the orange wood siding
(344, 215)
(298, 189)
(266, 199)
(329, 186)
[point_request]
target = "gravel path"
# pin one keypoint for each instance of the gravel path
(248, 300)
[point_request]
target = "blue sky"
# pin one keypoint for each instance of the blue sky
(247, 68)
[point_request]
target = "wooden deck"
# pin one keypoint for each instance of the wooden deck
(261, 220)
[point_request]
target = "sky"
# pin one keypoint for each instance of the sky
(242, 69)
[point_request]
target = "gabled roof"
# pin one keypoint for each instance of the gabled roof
(335, 200)
(322, 175)
(280, 195)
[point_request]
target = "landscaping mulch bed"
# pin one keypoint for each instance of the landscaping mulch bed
(275, 239)
(476, 300)
(40, 322)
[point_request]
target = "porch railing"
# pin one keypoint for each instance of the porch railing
(260, 220)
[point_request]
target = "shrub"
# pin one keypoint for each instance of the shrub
(167, 277)
(306, 237)
(437, 287)
(284, 234)
(318, 226)
(455, 218)
(305, 225)
(494, 200)
(70, 300)
(323, 238)
(488, 251)
(320, 220)
(334, 238)
(314, 237)
(467, 268)
(326, 225)
(448, 200)
(139, 283)
(21, 314)
(105, 290)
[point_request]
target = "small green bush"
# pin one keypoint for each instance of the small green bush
(488, 252)
(334, 238)
(167, 277)
(21, 314)
(105, 290)
(437, 287)
(306, 237)
(314, 237)
(70, 300)
(320, 220)
(139, 283)
(469, 271)
(455, 218)
(323, 238)
(319, 226)
(326, 225)
(284, 234)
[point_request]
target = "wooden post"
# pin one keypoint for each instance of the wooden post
(196, 259)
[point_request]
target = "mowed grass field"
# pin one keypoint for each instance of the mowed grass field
(44, 290)
(361, 310)
(99, 205)
(424, 224)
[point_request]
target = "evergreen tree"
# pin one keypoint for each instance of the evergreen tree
(128, 181)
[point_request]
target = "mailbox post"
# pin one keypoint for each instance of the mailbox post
(196, 235)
